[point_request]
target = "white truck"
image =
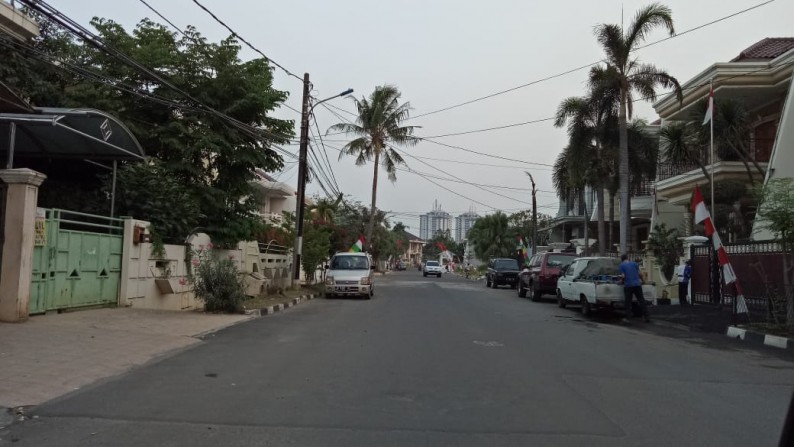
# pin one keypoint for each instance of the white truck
(594, 283)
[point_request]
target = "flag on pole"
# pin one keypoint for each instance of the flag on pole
(728, 274)
(358, 247)
(710, 110)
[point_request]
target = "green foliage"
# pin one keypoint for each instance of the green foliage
(216, 282)
(665, 246)
(149, 192)
(158, 246)
(431, 250)
(776, 210)
(212, 157)
(316, 246)
(491, 237)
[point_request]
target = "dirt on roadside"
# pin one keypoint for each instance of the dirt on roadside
(283, 297)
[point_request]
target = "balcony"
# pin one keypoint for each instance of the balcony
(16, 24)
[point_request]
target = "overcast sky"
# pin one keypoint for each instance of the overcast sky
(444, 52)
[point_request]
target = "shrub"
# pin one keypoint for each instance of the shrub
(216, 282)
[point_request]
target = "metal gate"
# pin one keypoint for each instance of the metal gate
(76, 260)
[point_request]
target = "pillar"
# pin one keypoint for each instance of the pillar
(16, 267)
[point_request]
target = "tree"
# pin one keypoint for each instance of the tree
(679, 146)
(629, 75)
(665, 246)
(776, 214)
(325, 209)
(316, 245)
(377, 127)
(491, 237)
(215, 156)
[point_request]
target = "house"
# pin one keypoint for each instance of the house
(276, 197)
(413, 253)
(16, 24)
(760, 77)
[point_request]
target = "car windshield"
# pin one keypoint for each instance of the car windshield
(558, 260)
(506, 264)
(349, 263)
(432, 263)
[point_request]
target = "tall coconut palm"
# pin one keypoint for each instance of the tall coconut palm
(377, 127)
(631, 76)
(325, 209)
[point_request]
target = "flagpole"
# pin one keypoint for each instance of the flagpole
(711, 125)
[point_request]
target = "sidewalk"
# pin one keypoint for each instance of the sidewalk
(51, 355)
(698, 317)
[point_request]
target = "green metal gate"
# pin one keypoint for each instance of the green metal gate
(77, 263)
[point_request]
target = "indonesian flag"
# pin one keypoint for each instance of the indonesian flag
(358, 247)
(441, 246)
(699, 207)
(710, 110)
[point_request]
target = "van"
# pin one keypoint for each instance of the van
(350, 274)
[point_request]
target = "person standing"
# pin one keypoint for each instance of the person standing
(632, 287)
(684, 275)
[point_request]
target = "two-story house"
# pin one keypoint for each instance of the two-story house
(760, 78)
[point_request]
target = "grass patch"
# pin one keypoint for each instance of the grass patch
(263, 301)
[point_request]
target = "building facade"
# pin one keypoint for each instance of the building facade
(434, 222)
(463, 224)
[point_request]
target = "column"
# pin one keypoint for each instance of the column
(22, 188)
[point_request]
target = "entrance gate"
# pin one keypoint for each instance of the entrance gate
(76, 261)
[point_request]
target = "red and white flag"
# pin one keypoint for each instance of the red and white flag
(710, 110)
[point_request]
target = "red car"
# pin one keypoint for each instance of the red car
(544, 269)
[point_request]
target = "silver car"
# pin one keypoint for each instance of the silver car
(432, 268)
(350, 274)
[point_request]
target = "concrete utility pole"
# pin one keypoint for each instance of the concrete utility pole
(300, 207)
(534, 216)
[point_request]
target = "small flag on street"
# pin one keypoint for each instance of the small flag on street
(358, 247)
(710, 111)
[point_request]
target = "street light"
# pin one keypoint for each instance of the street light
(534, 215)
(304, 144)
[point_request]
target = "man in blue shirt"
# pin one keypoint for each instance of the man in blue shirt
(632, 286)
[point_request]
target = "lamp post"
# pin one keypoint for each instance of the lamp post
(534, 216)
(302, 156)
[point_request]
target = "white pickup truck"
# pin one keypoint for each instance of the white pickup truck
(594, 283)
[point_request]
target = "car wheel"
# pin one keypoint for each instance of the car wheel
(494, 284)
(439, 275)
(535, 293)
(587, 310)
(487, 281)
(560, 300)
(522, 292)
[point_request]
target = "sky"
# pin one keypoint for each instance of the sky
(444, 52)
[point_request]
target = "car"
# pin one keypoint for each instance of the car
(502, 271)
(541, 275)
(350, 274)
(594, 283)
(431, 268)
(400, 266)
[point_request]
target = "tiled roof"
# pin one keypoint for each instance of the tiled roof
(768, 48)
(412, 237)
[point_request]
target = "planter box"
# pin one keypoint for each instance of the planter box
(164, 286)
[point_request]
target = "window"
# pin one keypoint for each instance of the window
(432, 263)
(349, 263)
(506, 264)
(558, 260)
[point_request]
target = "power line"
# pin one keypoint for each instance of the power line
(236, 35)
(492, 128)
(325, 152)
(573, 70)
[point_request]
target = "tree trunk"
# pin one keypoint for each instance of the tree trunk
(611, 238)
(602, 230)
(623, 172)
(373, 210)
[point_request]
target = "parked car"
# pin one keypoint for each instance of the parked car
(541, 276)
(432, 268)
(502, 271)
(350, 274)
(400, 266)
(595, 283)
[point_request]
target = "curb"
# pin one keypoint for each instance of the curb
(270, 310)
(759, 338)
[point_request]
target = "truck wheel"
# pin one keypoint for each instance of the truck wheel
(587, 310)
(535, 293)
(560, 300)
(522, 292)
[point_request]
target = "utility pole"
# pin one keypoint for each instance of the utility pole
(301, 207)
(534, 216)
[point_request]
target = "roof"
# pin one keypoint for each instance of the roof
(413, 237)
(768, 48)
(60, 133)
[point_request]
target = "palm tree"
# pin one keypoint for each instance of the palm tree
(630, 76)
(377, 126)
(679, 146)
(491, 237)
(325, 209)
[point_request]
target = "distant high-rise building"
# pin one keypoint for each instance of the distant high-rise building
(434, 222)
(463, 224)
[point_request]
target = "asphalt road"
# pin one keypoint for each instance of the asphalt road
(432, 362)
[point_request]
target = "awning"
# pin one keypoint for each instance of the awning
(61, 133)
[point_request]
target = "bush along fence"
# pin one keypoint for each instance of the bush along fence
(762, 268)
